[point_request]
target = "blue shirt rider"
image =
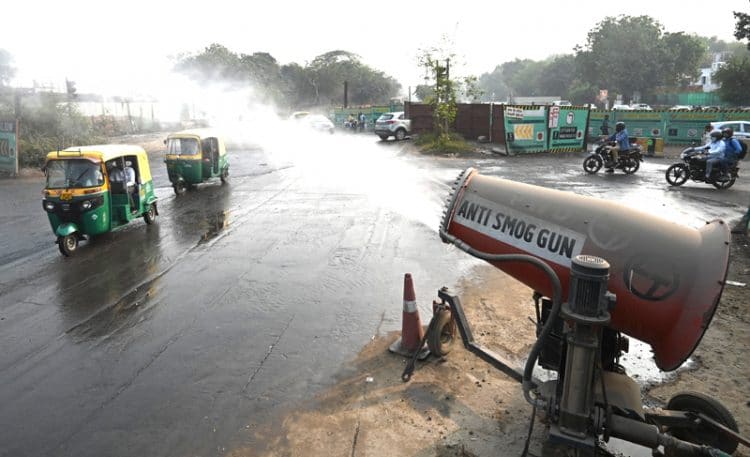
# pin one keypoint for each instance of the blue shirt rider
(715, 152)
(732, 150)
(622, 144)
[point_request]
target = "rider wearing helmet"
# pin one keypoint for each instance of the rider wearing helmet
(715, 152)
(732, 150)
(623, 144)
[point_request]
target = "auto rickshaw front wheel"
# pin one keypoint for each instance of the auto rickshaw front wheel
(150, 215)
(224, 175)
(68, 244)
(180, 187)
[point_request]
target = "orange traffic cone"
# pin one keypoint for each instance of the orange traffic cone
(412, 332)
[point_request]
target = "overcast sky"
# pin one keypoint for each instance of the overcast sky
(124, 48)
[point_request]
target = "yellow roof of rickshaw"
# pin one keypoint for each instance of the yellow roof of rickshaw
(200, 133)
(103, 152)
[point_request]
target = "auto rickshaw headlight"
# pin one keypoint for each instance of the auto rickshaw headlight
(49, 206)
(86, 205)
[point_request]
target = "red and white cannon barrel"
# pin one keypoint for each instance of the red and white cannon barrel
(668, 278)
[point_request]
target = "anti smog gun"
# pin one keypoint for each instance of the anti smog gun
(623, 272)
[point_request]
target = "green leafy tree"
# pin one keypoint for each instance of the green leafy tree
(320, 82)
(7, 71)
(742, 27)
(493, 85)
(557, 75)
(424, 92)
(215, 63)
(682, 56)
(622, 55)
(522, 77)
(734, 77)
(443, 99)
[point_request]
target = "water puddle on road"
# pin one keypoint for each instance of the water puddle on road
(213, 225)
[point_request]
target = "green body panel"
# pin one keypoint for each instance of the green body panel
(194, 171)
(66, 228)
(113, 212)
(93, 222)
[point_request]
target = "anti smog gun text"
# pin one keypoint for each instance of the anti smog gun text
(623, 272)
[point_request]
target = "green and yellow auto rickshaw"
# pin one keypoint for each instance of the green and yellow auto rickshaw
(194, 156)
(91, 190)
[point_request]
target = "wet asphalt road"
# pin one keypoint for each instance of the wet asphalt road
(244, 299)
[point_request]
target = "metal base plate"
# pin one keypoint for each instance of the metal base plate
(396, 348)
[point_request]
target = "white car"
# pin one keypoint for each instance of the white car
(741, 128)
(315, 121)
(641, 106)
(681, 108)
(622, 107)
(319, 122)
(393, 124)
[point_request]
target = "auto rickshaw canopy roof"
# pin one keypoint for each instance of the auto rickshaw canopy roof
(100, 152)
(201, 134)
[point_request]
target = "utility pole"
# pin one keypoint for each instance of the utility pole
(346, 94)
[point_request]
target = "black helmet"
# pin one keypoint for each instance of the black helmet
(728, 132)
(716, 135)
(620, 126)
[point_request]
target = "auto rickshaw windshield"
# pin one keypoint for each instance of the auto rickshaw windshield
(73, 173)
(182, 146)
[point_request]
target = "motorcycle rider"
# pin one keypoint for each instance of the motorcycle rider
(732, 151)
(623, 144)
(715, 152)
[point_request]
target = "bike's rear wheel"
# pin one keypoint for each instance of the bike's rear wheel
(631, 165)
(592, 164)
(724, 184)
(677, 174)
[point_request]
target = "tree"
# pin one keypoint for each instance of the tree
(622, 55)
(493, 85)
(742, 28)
(7, 71)
(682, 56)
(322, 81)
(734, 77)
(443, 99)
(215, 63)
(557, 76)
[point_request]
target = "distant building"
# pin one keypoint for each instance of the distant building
(706, 81)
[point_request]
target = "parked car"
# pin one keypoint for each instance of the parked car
(562, 103)
(319, 122)
(622, 107)
(641, 106)
(315, 121)
(393, 124)
(741, 128)
(681, 108)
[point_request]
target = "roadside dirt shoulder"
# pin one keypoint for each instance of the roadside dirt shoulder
(460, 406)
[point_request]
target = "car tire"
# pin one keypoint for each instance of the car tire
(400, 134)
(383, 137)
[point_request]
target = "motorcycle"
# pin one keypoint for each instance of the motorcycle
(628, 161)
(693, 166)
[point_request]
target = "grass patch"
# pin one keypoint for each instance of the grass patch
(451, 143)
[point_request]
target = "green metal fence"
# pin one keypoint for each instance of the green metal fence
(526, 128)
(675, 127)
(9, 147)
(567, 128)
